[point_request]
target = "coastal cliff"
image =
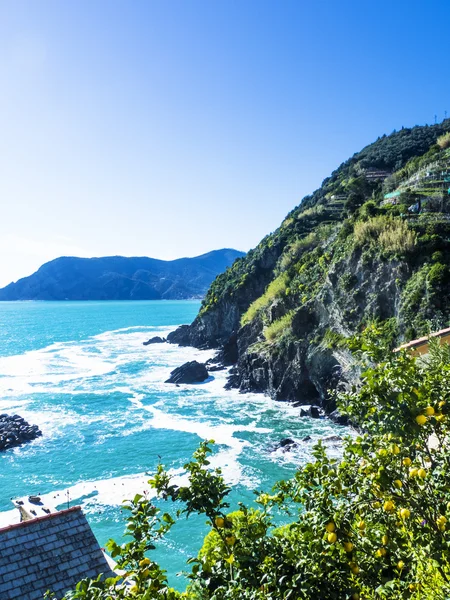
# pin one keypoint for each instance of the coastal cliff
(372, 244)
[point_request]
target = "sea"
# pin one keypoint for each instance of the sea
(80, 371)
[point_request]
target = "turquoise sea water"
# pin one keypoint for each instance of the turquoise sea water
(79, 370)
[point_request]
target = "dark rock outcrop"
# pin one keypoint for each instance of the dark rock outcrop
(311, 411)
(15, 431)
(285, 445)
(338, 418)
(190, 372)
(154, 340)
(214, 364)
(332, 440)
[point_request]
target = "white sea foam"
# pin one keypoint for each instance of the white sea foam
(116, 362)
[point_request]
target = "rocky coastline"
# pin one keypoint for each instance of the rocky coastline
(15, 431)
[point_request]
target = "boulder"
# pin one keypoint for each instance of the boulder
(155, 340)
(190, 372)
(311, 411)
(285, 445)
(332, 439)
(214, 365)
(15, 431)
(336, 417)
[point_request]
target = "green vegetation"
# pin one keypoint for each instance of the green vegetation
(372, 525)
(391, 236)
(444, 141)
(345, 227)
(281, 326)
(275, 289)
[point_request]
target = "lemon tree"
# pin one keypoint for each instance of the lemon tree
(373, 524)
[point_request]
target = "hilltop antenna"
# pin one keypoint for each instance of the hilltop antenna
(68, 498)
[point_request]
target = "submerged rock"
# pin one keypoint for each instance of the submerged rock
(15, 431)
(190, 372)
(214, 365)
(154, 340)
(332, 440)
(286, 445)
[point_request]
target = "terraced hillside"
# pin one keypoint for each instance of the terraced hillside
(372, 244)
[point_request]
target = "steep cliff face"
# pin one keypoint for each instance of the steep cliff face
(372, 244)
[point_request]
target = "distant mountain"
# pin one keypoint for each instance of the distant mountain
(122, 278)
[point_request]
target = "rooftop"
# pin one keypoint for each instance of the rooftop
(51, 552)
(421, 344)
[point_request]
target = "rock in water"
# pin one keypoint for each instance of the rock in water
(14, 431)
(154, 340)
(310, 411)
(190, 372)
(286, 445)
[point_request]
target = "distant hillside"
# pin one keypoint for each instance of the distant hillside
(122, 278)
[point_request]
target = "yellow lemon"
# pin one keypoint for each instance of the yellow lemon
(230, 540)
(348, 546)
(400, 564)
(332, 538)
(361, 525)
(145, 573)
(388, 506)
(381, 552)
(219, 522)
(441, 521)
(354, 568)
(377, 504)
(144, 562)
(398, 484)
(385, 539)
(413, 472)
(395, 449)
(422, 473)
(429, 411)
(382, 452)
(330, 527)
(441, 403)
(405, 513)
(440, 418)
(407, 461)
(356, 596)
(421, 420)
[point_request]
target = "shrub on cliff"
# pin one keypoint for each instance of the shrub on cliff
(391, 236)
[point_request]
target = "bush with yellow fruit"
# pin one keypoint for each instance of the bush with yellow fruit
(370, 524)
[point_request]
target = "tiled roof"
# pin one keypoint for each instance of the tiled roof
(424, 340)
(51, 552)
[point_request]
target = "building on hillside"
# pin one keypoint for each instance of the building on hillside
(391, 198)
(49, 552)
(420, 346)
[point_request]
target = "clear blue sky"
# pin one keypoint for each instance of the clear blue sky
(169, 128)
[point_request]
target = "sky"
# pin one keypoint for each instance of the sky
(170, 128)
